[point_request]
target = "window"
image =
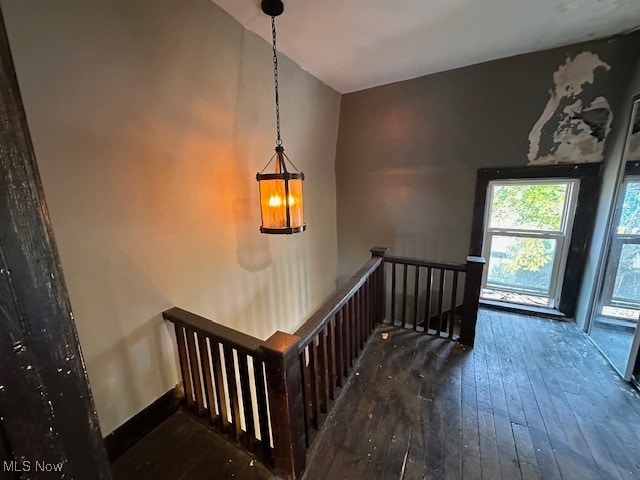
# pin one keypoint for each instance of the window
(526, 240)
(621, 295)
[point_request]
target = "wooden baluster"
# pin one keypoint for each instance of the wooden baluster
(364, 324)
(427, 301)
(382, 291)
(323, 371)
(365, 318)
(380, 288)
(261, 400)
(404, 296)
(220, 387)
(356, 327)
(346, 345)
(331, 355)
(361, 317)
(352, 332)
(393, 293)
(282, 364)
(306, 394)
(364, 321)
(452, 314)
(232, 389)
(184, 367)
(340, 364)
(313, 377)
(247, 402)
(440, 297)
(471, 299)
(195, 370)
(373, 302)
(373, 284)
(416, 292)
(205, 361)
(368, 302)
(356, 320)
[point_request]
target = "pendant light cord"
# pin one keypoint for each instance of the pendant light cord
(275, 78)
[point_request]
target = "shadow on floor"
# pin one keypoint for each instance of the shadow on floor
(533, 399)
(182, 448)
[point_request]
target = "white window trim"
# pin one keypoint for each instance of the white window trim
(562, 236)
(617, 241)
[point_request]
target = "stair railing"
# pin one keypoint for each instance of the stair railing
(271, 397)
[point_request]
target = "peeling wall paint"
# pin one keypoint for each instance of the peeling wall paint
(408, 152)
(572, 129)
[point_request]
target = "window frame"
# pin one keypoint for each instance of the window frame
(590, 178)
(562, 237)
(618, 240)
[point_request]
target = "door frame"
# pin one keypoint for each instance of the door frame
(631, 169)
(46, 407)
(617, 242)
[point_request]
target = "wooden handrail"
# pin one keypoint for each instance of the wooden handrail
(228, 336)
(310, 329)
(222, 369)
(460, 267)
(301, 373)
(419, 289)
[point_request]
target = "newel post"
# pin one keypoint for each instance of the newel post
(472, 285)
(284, 386)
(381, 296)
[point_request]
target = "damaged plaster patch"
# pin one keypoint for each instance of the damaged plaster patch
(634, 138)
(570, 130)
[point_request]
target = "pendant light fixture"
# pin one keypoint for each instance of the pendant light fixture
(280, 190)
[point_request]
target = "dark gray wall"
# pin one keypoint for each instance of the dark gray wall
(408, 152)
(612, 177)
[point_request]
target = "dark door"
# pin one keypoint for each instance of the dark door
(48, 422)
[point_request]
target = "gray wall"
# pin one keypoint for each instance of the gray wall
(612, 176)
(150, 119)
(408, 152)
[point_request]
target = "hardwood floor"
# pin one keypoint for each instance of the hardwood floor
(534, 399)
(183, 448)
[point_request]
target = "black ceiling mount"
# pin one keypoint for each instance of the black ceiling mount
(273, 8)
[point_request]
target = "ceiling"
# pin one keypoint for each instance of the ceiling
(356, 44)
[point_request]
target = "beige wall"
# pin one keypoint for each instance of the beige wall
(149, 120)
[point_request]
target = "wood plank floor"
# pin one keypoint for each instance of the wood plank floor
(183, 448)
(534, 399)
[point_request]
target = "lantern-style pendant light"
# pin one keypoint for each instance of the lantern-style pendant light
(280, 190)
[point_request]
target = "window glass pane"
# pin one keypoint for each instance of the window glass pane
(521, 263)
(528, 206)
(630, 215)
(626, 287)
(274, 212)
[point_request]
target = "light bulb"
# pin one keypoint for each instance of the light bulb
(275, 201)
